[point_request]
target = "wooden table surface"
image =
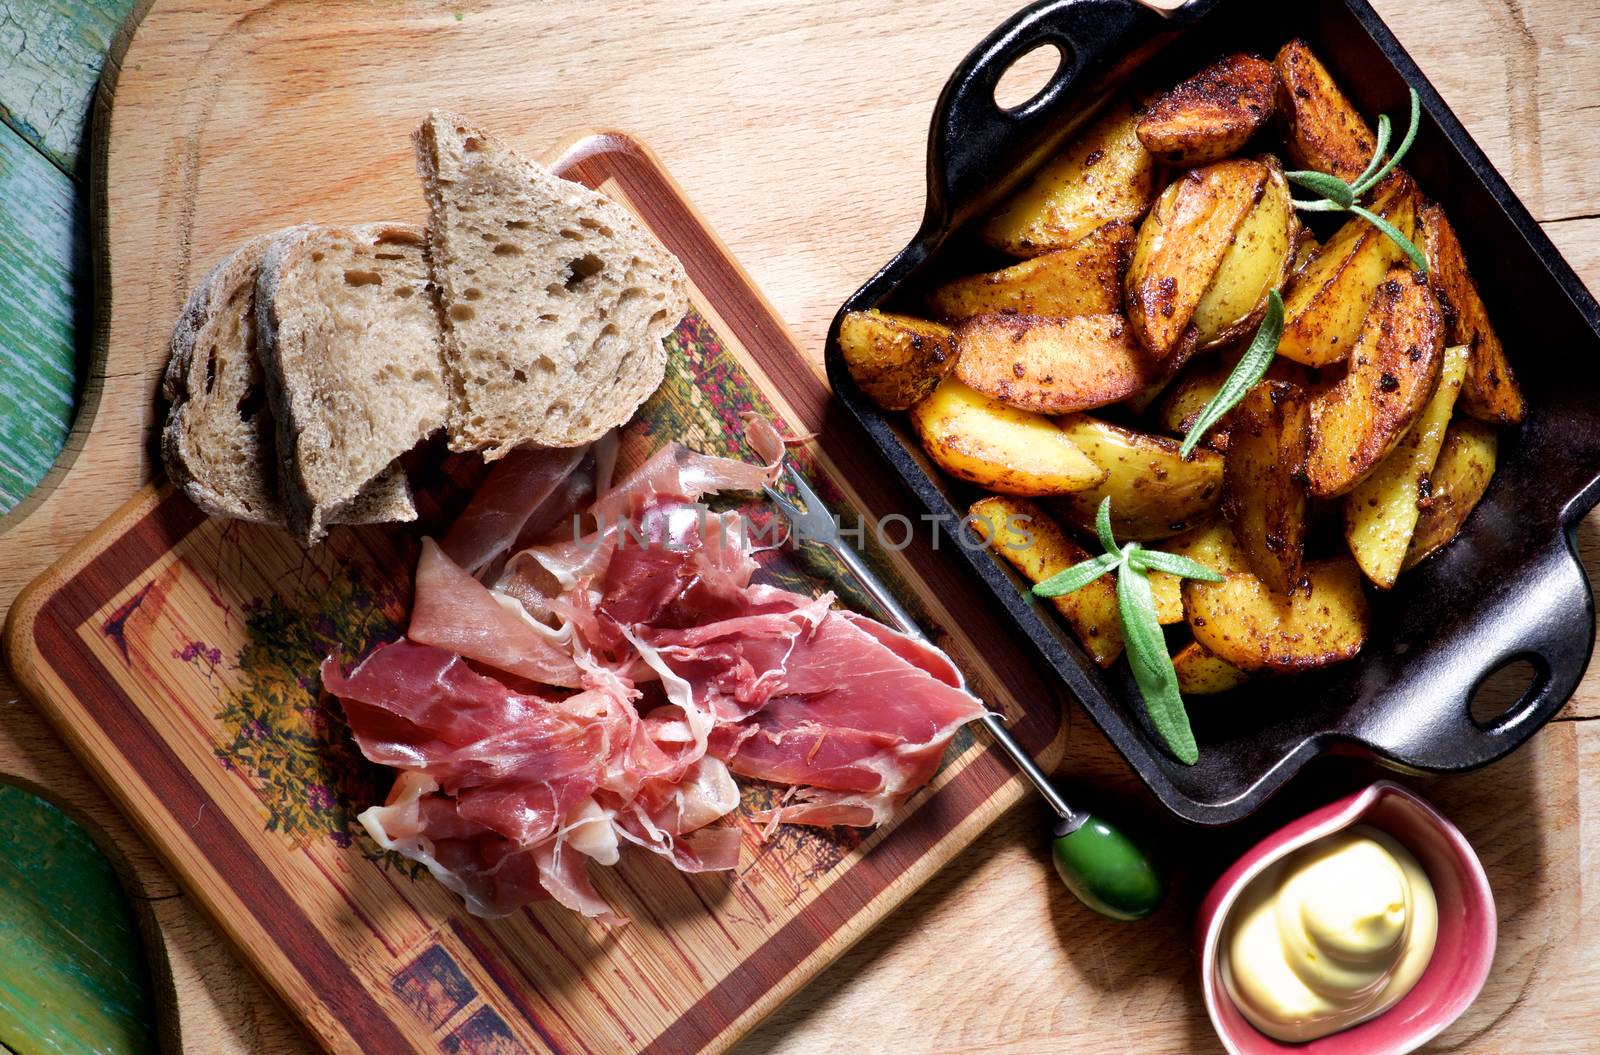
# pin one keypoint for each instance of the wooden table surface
(1521, 74)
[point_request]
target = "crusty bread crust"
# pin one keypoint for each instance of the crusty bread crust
(554, 299)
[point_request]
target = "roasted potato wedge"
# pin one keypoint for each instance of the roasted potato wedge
(1380, 515)
(1154, 492)
(1103, 174)
(1453, 488)
(896, 359)
(1324, 132)
(1083, 279)
(1490, 392)
(1305, 247)
(1257, 262)
(1244, 623)
(978, 439)
(1021, 533)
(1186, 397)
(1050, 365)
(1202, 674)
(1326, 301)
(1167, 592)
(1263, 482)
(1179, 249)
(1211, 115)
(1393, 367)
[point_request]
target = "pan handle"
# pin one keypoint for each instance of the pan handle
(1550, 623)
(974, 142)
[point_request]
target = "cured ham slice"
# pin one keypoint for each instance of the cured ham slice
(456, 612)
(619, 673)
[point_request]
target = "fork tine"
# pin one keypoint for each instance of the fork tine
(807, 495)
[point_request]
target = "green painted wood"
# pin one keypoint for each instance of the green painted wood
(44, 276)
(73, 973)
(53, 51)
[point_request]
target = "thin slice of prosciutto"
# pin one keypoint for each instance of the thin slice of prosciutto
(616, 674)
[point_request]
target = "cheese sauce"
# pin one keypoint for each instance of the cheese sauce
(1329, 936)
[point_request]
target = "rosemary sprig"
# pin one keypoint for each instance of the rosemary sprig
(1141, 629)
(1339, 196)
(1251, 368)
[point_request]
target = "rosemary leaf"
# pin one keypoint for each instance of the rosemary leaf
(1332, 188)
(1394, 236)
(1151, 665)
(1174, 564)
(1366, 183)
(1078, 576)
(1251, 368)
(1102, 527)
(1385, 130)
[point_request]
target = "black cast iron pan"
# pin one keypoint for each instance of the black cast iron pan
(1509, 588)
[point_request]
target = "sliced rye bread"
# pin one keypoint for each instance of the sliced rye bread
(554, 298)
(218, 444)
(348, 338)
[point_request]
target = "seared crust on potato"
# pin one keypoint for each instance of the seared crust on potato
(1452, 489)
(1381, 514)
(1021, 533)
(1051, 365)
(1392, 370)
(895, 359)
(1327, 299)
(1083, 279)
(1155, 493)
(1180, 246)
(1103, 174)
(978, 439)
(1211, 115)
(1323, 130)
(1186, 397)
(1490, 392)
(1244, 623)
(1263, 484)
(1202, 674)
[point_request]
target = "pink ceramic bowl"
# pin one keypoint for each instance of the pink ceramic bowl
(1461, 956)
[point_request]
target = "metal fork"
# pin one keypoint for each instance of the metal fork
(1100, 865)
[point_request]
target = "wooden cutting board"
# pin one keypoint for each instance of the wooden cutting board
(178, 654)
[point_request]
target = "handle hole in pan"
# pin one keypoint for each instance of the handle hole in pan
(1027, 78)
(1499, 693)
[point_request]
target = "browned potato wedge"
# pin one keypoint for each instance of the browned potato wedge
(1202, 674)
(1455, 485)
(1490, 393)
(977, 439)
(1257, 262)
(1305, 247)
(1103, 174)
(1154, 492)
(1167, 591)
(1244, 623)
(1180, 246)
(1323, 130)
(1328, 298)
(1197, 385)
(1211, 115)
(896, 359)
(1052, 366)
(1083, 279)
(1380, 515)
(1263, 483)
(1038, 548)
(1393, 366)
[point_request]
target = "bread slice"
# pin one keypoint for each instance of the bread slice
(555, 299)
(218, 444)
(349, 341)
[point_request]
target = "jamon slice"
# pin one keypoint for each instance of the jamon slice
(454, 611)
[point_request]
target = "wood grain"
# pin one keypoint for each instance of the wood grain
(813, 177)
